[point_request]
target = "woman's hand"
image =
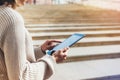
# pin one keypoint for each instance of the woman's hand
(49, 44)
(60, 55)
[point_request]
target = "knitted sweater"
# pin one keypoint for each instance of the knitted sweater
(17, 55)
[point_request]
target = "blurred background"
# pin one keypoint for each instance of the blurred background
(97, 55)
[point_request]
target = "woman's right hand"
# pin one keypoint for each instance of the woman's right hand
(49, 44)
(60, 55)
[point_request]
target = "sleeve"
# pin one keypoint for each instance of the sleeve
(18, 67)
(38, 52)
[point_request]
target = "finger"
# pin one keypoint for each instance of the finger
(60, 59)
(64, 56)
(51, 46)
(60, 56)
(53, 41)
(65, 49)
(58, 53)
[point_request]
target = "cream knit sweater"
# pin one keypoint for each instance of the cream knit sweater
(17, 55)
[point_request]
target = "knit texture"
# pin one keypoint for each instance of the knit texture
(17, 55)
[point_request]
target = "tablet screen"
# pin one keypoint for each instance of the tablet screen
(68, 42)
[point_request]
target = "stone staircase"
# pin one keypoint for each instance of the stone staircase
(100, 47)
(95, 57)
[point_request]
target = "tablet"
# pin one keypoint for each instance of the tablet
(66, 43)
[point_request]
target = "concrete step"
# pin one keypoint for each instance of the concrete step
(68, 26)
(71, 20)
(86, 70)
(71, 29)
(93, 53)
(72, 25)
(59, 35)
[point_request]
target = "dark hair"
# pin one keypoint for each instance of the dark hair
(8, 2)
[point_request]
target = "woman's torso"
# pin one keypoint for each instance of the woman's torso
(4, 12)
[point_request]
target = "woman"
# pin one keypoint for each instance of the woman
(18, 59)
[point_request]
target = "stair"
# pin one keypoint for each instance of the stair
(100, 47)
(99, 38)
(95, 57)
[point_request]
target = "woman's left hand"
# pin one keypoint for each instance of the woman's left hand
(49, 44)
(60, 55)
